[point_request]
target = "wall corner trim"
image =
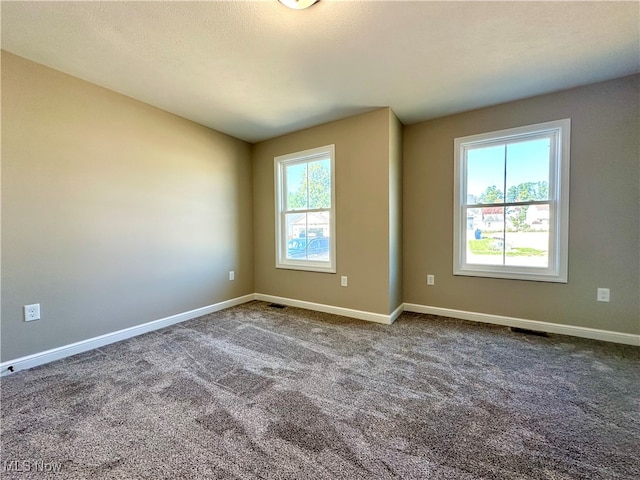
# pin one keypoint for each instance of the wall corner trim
(30, 361)
(574, 331)
(345, 312)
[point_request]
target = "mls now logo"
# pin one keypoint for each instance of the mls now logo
(30, 466)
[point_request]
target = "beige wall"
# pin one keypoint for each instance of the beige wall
(114, 213)
(362, 169)
(604, 241)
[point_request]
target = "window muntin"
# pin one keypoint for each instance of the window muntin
(305, 210)
(511, 203)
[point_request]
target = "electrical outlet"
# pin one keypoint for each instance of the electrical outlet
(343, 281)
(232, 275)
(603, 295)
(32, 312)
(431, 279)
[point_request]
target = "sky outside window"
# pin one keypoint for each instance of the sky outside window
(527, 161)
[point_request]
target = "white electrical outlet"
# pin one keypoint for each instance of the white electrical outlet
(431, 279)
(343, 281)
(32, 312)
(603, 295)
(232, 275)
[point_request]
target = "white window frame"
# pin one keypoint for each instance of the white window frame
(281, 162)
(557, 270)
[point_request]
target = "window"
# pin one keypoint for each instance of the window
(305, 210)
(511, 203)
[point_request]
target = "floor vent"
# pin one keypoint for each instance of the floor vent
(277, 305)
(526, 331)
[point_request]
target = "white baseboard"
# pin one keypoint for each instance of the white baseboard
(58, 353)
(396, 313)
(584, 332)
(319, 307)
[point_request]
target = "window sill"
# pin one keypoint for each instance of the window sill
(512, 275)
(306, 267)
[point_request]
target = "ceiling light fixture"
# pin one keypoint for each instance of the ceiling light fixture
(298, 4)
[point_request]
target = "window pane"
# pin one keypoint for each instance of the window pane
(485, 238)
(527, 249)
(319, 174)
(485, 174)
(527, 236)
(528, 170)
(308, 236)
(296, 225)
(319, 235)
(296, 182)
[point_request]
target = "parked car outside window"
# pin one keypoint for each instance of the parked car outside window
(317, 248)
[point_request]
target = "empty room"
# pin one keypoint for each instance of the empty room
(302, 239)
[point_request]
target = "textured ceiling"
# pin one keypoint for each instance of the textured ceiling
(256, 69)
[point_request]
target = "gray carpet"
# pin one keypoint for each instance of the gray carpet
(257, 392)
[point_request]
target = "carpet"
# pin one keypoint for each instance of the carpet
(254, 392)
